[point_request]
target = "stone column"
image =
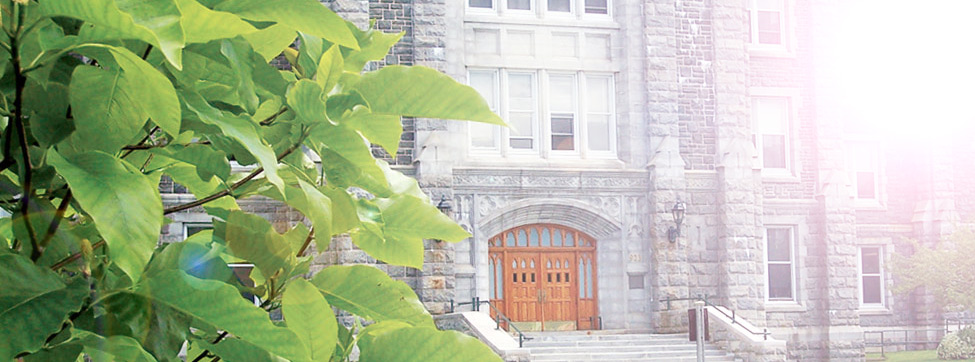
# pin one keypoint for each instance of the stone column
(739, 182)
(669, 260)
(838, 296)
(436, 153)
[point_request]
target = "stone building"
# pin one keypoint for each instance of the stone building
(620, 109)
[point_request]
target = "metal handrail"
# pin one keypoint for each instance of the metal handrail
(704, 298)
(959, 323)
(475, 304)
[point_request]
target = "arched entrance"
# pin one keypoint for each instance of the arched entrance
(542, 276)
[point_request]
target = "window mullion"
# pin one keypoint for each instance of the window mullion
(544, 114)
(503, 104)
(582, 108)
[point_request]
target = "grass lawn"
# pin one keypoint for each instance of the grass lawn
(908, 356)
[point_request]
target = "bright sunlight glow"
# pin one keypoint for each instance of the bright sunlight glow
(908, 67)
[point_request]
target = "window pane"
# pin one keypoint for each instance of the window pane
(871, 290)
(866, 186)
(562, 93)
(773, 151)
(520, 94)
(779, 248)
(596, 7)
(193, 229)
(521, 143)
(780, 281)
(870, 260)
(533, 239)
(491, 281)
(520, 4)
(598, 94)
(771, 4)
(563, 138)
(598, 125)
(769, 27)
(480, 3)
(482, 134)
(558, 5)
(772, 113)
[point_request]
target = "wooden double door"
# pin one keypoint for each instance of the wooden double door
(544, 273)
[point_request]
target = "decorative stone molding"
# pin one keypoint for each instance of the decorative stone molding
(571, 213)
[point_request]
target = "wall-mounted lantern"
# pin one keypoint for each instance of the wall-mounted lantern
(678, 212)
(444, 205)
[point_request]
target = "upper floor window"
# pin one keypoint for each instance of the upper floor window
(551, 114)
(780, 263)
(871, 276)
(864, 166)
(554, 7)
(771, 127)
(769, 28)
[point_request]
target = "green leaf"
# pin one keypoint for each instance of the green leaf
(408, 217)
(382, 129)
(316, 207)
(150, 89)
(124, 204)
(308, 16)
(425, 344)
(162, 18)
(347, 159)
(203, 25)
(107, 115)
(305, 99)
(232, 349)
(188, 176)
(270, 41)
(119, 348)
(241, 129)
(310, 50)
(252, 238)
(220, 306)
(309, 315)
(422, 92)
(63, 352)
(329, 68)
(373, 45)
(34, 303)
(134, 25)
(208, 160)
(368, 292)
(343, 210)
(246, 89)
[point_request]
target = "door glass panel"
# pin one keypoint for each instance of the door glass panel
(546, 237)
(582, 283)
(588, 279)
(557, 238)
(500, 285)
(523, 264)
(491, 281)
(532, 264)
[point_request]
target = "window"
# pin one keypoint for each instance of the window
(772, 133)
(484, 4)
(780, 265)
(192, 228)
(864, 169)
(554, 7)
(551, 114)
(769, 24)
(243, 274)
(871, 276)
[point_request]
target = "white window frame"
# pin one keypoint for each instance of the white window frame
(541, 121)
(793, 164)
(793, 258)
(856, 147)
(539, 9)
(495, 107)
(187, 225)
(257, 300)
(787, 36)
(880, 274)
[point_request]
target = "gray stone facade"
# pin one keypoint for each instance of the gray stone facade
(685, 73)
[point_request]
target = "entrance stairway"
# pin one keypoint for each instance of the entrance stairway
(616, 346)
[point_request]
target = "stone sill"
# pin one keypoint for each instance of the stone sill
(599, 22)
(784, 307)
(870, 311)
(766, 51)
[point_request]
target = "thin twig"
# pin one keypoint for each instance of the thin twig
(58, 216)
(143, 141)
(75, 256)
(236, 185)
(267, 121)
(311, 235)
(145, 54)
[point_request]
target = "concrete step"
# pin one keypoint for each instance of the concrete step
(683, 348)
(640, 342)
(610, 346)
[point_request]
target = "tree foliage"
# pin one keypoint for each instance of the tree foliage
(102, 98)
(946, 270)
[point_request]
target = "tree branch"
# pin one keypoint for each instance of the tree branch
(267, 121)
(58, 216)
(142, 142)
(20, 82)
(237, 184)
(75, 256)
(311, 235)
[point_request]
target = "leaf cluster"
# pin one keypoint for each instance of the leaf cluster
(102, 98)
(946, 270)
